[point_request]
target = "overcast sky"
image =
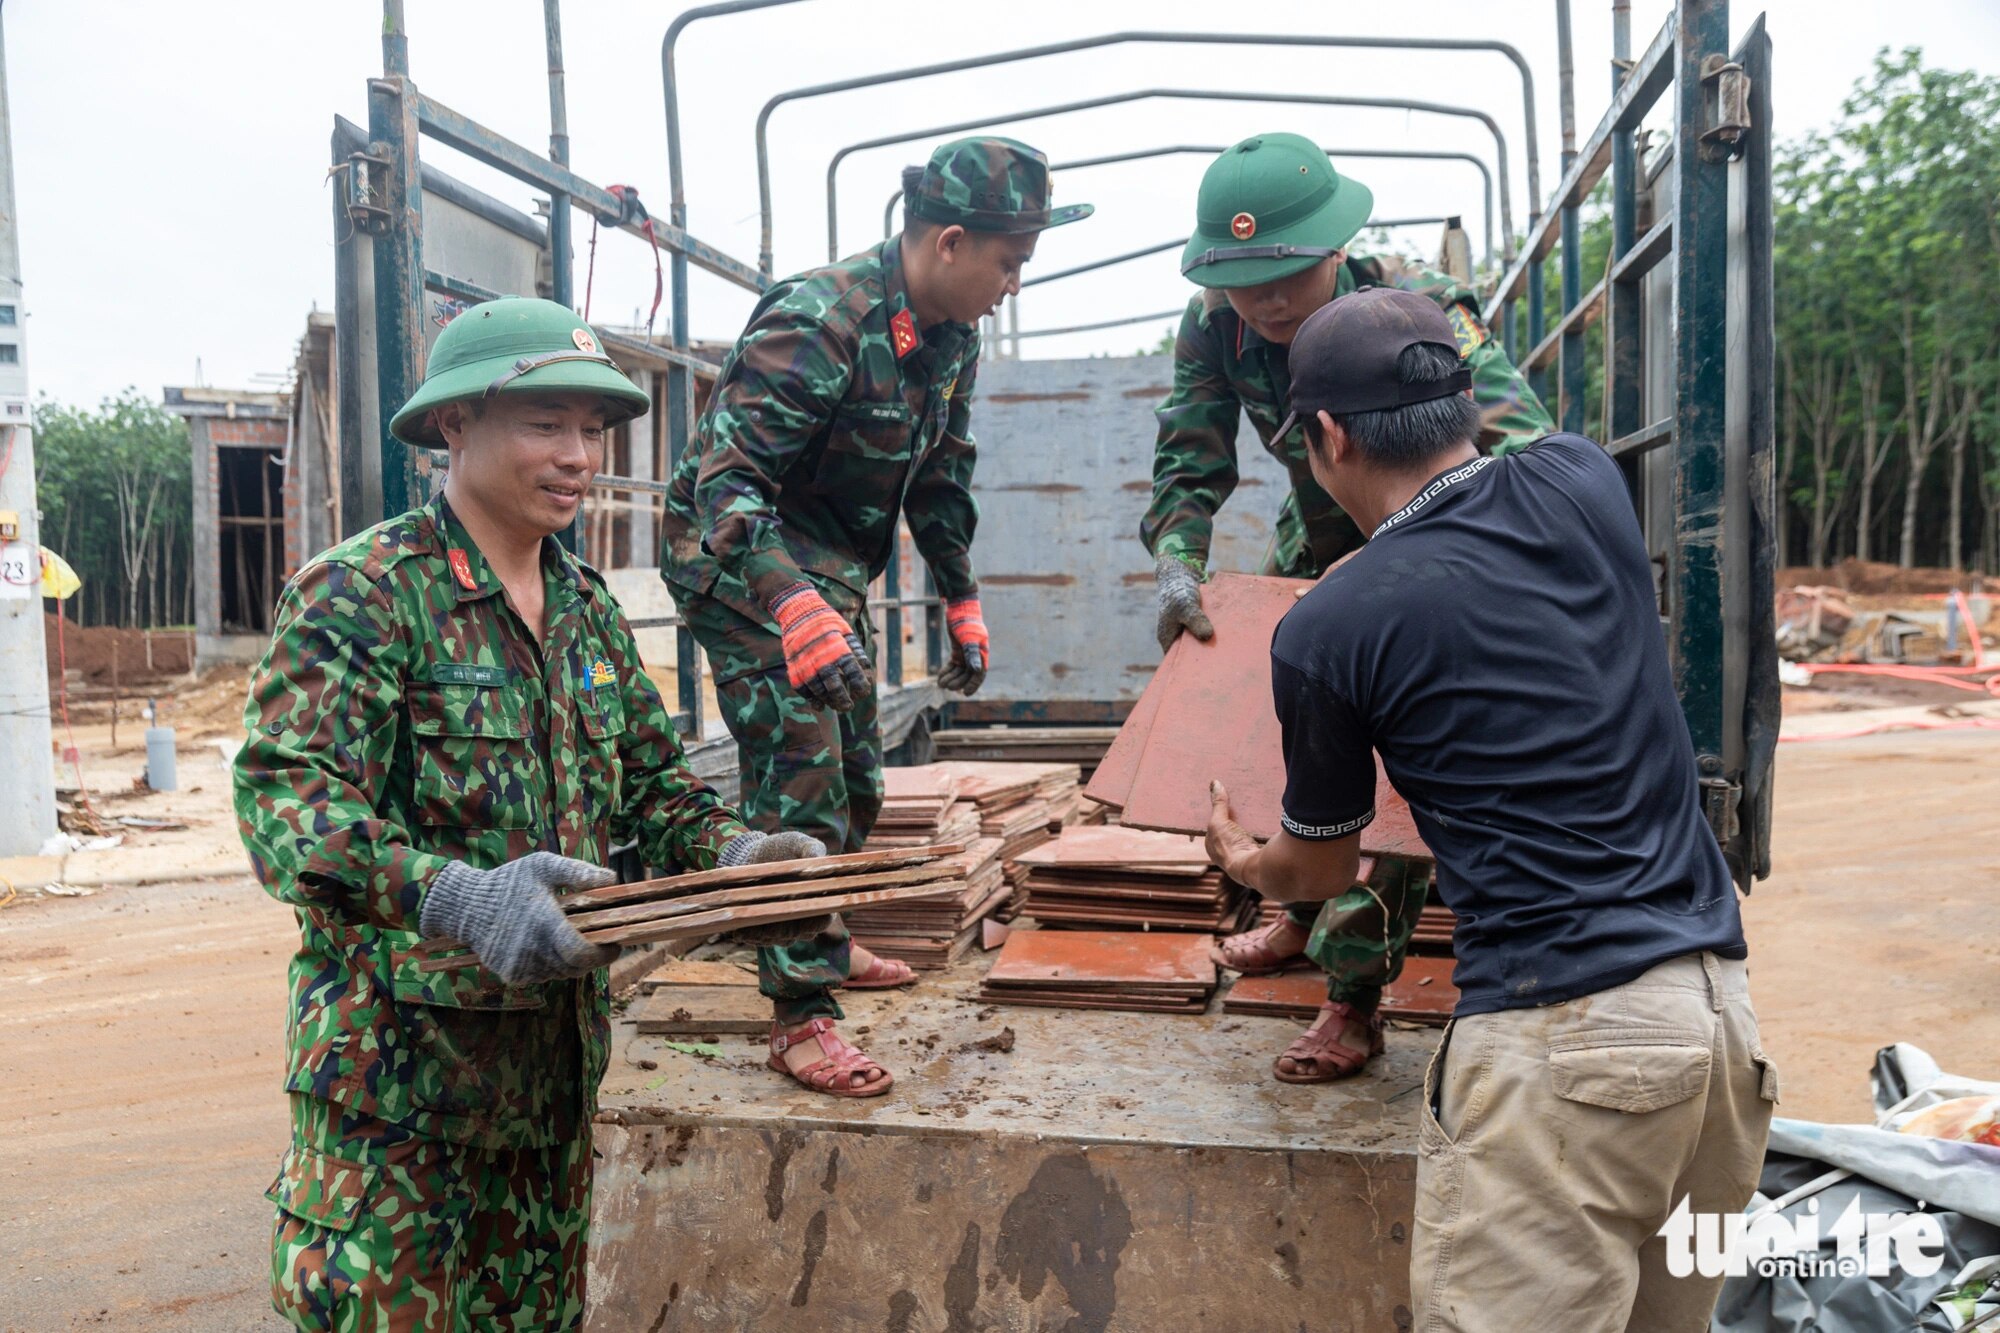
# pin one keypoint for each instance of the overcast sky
(170, 159)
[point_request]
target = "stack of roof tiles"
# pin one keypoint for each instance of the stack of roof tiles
(1112, 877)
(1075, 969)
(936, 932)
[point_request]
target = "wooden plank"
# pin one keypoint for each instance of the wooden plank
(1214, 717)
(1111, 784)
(755, 914)
(1117, 847)
(692, 1010)
(760, 893)
(817, 867)
(696, 972)
(1102, 958)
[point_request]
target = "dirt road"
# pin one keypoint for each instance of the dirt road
(141, 1030)
(141, 1033)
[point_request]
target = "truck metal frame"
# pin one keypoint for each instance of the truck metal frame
(1066, 1181)
(1709, 505)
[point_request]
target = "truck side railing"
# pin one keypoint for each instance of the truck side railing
(1716, 429)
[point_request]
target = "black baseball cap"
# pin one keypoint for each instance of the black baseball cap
(1343, 358)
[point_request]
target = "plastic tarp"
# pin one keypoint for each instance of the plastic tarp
(1825, 1168)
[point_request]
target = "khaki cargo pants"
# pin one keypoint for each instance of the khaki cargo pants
(1554, 1142)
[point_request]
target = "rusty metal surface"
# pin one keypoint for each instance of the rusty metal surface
(1215, 718)
(1196, 1192)
(1065, 473)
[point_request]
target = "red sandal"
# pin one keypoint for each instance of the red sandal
(1331, 1061)
(834, 1072)
(881, 974)
(1252, 952)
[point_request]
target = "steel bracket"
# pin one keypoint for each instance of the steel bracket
(367, 180)
(1728, 106)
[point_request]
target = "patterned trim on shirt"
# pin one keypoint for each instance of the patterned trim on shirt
(1298, 830)
(1432, 492)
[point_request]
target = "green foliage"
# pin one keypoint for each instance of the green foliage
(1887, 270)
(115, 492)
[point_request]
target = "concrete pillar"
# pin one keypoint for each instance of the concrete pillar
(28, 809)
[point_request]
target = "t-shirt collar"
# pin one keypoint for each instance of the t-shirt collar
(1432, 490)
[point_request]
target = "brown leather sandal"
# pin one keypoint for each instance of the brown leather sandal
(834, 1072)
(1252, 952)
(1321, 1046)
(881, 974)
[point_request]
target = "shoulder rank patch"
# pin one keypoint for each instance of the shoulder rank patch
(903, 333)
(1466, 328)
(601, 673)
(461, 569)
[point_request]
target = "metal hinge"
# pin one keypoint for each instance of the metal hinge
(1719, 800)
(1728, 106)
(366, 181)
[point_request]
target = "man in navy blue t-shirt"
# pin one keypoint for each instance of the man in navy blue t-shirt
(1497, 643)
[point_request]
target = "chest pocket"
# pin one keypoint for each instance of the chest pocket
(866, 452)
(475, 762)
(602, 714)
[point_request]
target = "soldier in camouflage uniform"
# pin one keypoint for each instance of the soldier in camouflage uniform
(844, 405)
(451, 728)
(1273, 222)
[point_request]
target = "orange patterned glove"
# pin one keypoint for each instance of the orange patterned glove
(822, 652)
(971, 648)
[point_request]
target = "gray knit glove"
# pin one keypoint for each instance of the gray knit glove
(756, 849)
(510, 918)
(1180, 601)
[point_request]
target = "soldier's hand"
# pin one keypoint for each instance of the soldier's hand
(755, 848)
(823, 655)
(1180, 602)
(970, 646)
(510, 918)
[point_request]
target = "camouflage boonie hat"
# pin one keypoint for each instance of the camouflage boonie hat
(989, 184)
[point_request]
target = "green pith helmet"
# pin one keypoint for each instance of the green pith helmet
(989, 184)
(1270, 207)
(512, 345)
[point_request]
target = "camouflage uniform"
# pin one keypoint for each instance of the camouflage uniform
(834, 414)
(1221, 367)
(404, 718)
(1361, 937)
(817, 437)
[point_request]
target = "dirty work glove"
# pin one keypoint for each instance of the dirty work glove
(753, 848)
(510, 918)
(971, 649)
(823, 655)
(1180, 601)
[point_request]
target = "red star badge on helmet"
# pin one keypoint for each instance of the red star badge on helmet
(1243, 226)
(903, 333)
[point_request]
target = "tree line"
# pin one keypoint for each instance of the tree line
(116, 490)
(1887, 259)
